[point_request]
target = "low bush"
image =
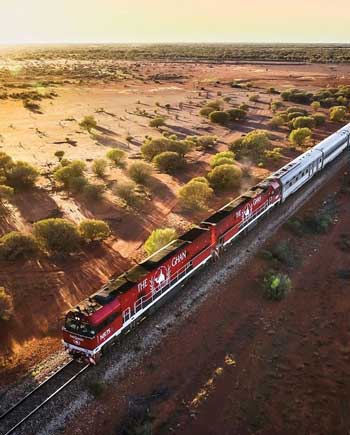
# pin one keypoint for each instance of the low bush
(117, 156)
(94, 230)
(236, 114)
(252, 145)
(6, 193)
(219, 117)
(225, 177)
(224, 157)
(304, 121)
(157, 122)
(97, 388)
(158, 239)
(88, 123)
(71, 175)
(126, 191)
(15, 245)
(21, 175)
(319, 119)
(274, 154)
(196, 194)
(140, 172)
(300, 136)
(57, 235)
(153, 147)
(206, 111)
(99, 167)
(93, 192)
(337, 113)
(276, 285)
(169, 162)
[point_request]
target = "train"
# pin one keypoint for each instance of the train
(92, 326)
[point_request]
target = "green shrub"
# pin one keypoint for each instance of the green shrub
(206, 142)
(225, 177)
(293, 109)
(206, 111)
(337, 113)
(224, 157)
(92, 230)
(276, 285)
(96, 388)
(319, 119)
(153, 147)
(78, 184)
(219, 117)
(304, 121)
(158, 239)
(315, 105)
(88, 123)
(236, 114)
(71, 175)
(274, 154)
(275, 105)
(6, 304)
(195, 195)
(140, 172)
(57, 235)
(59, 155)
(252, 145)
(21, 175)
(293, 115)
(284, 253)
(277, 121)
(318, 223)
(16, 245)
(157, 122)
(117, 156)
(169, 162)
(99, 167)
(93, 191)
(126, 191)
(300, 136)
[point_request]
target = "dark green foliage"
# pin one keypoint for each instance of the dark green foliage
(153, 147)
(276, 285)
(284, 253)
(225, 177)
(252, 145)
(140, 172)
(93, 191)
(93, 229)
(236, 114)
(21, 175)
(169, 162)
(219, 117)
(304, 121)
(97, 388)
(297, 96)
(15, 245)
(57, 235)
(6, 304)
(319, 119)
(71, 176)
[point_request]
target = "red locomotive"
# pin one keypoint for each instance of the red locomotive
(100, 319)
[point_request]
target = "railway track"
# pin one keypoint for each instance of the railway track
(25, 408)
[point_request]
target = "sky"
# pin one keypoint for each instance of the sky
(79, 21)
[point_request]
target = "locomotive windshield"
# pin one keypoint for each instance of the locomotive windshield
(78, 326)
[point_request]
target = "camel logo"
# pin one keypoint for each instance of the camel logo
(160, 278)
(248, 211)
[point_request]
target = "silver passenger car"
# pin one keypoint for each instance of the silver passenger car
(335, 144)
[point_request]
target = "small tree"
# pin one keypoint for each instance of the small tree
(158, 239)
(117, 156)
(6, 304)
(88, 123)
(252, 145)
(140, 172)
(99, 167)
(21, 175)
(219, 117)
(225, 177)
(206, 111)
(57, 235)
(277, 121)
(195, 195)
(206, 142)
(300, 136)
(315, 106)
(276, 285)
(16, 245)
(157, 122)
(59, 154)
(71, 175)
(169, 162)
(337, 113)
(94, 230)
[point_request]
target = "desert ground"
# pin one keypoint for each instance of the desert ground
(123, 96)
